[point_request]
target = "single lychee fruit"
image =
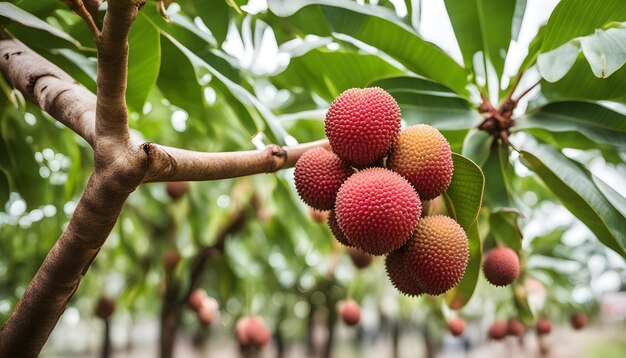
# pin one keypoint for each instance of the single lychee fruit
(400, 273)
(501, 266)
(544, 326)
(377, 210)
(423, 156)
(176, 189)
(437, 254)
(196, 298)
(319, 175)
(170, 259)
(337, 233)
(252, 331)
(497, 331)
(456, 326)
(105, 307)
(207, 311)
(362, 124)
(359, 258)
(578, 320)
(515, 328)
(319, 216)
(349, 312)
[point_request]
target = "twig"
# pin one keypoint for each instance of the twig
(79, 8)
(527, 91)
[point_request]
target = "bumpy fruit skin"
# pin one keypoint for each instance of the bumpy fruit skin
(349, 312)
(437, 254)
(362, 124)
(359, 258)
(543, 326)
(105, 307)
(423, 156)
(400, 273)
(337, 233)
(578, 320)
(456, 326)
(515, 328)
(252, 331)
(319, 175)
(176, 189)
(196, 298)
(377, 210)
(501, 266)
(497, 331)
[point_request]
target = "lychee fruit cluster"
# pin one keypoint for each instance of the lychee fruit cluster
(349, 311)
(206, 307)
(252, 331)
(501, 266)
(373, 182)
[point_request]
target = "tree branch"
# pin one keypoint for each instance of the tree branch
(49, 87)
(79, 7)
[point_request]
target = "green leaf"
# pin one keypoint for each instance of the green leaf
(216, 15)
(458, 296)
(505, 229)
(144, 60)
(574, 186)
(378, 27)
(497, 169)
(477, 146)
(4, 187)
(483, 25)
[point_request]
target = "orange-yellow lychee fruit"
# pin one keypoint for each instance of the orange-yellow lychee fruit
(423, 156)
(501, 266)
(362, 124)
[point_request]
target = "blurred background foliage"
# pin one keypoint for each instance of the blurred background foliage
(232, 75)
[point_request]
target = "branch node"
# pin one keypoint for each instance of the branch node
(277, 158)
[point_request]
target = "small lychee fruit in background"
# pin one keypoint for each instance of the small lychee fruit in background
(377, 210)
(105, 307)
(196, 298)
(423, 156)
(170, 259)
(544, 326)
(456, 326)
(318, 176)
(497, 331)
(437, 254)
(400, 273)
(208, 311)
(319, 216)
(578, 320)
(362, 124)
(252, 331)
(515, 328)
(337, 233)
(501, 266)
(176, 189)
(359, 258)
(349, 311)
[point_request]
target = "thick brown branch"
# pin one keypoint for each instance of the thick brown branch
(49, 87)
(173, 164)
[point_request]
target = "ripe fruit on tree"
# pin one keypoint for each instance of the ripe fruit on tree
(497, 331)
(318, 176)
(170, 259)
(400, 274)
(337, 233)
(359, 258)
(436, 255)
(349, 311)
(456, 326)
(501, 266)
(543, 326)
(196, 298)
(423, 156)
(515, 328)
(208, 311)
(578, 320)
(377, 210)
(362, 124)
(252, 331)
(176, 189)
(105, 307)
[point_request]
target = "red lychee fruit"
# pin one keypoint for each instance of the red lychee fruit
(196, 298)
(544, 326)
(362, 124)
(105, 307)
(359, 258)
(377, 210)
(252, 331)
(319, 175)
(437, 254)
(578, 320)
(497, 331)
(349, 311)
(337, 233)
(456, 326)
(515, 328)
(170, 259)
(207, 311)
(423, 156)
(501, 266)
(400, 272)
(176, 189)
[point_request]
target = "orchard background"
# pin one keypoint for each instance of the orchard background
(530, 95)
